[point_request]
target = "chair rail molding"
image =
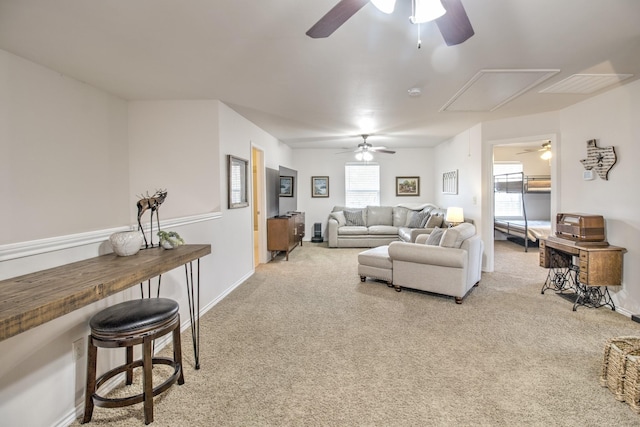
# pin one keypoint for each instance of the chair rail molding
(41, 246)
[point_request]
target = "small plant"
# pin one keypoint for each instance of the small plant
(170, 239)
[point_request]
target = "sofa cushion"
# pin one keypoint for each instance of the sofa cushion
(400, 216)
(353, 230)
(379, 215)
(414, 219)
(339, 216)
(434, 220)
(435, 237)
(383, 229)
(454, 236)
(354, 217)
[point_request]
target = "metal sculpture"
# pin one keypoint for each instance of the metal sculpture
(151, 203)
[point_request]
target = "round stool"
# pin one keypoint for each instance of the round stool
(125, 325)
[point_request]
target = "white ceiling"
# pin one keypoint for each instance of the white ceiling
(254, 56)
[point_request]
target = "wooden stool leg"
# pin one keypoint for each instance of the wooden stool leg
(92, 354)
(129, 362)
(147, 366)
(177, 352)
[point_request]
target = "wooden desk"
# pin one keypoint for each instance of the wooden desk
(33, 299)
(598, 266)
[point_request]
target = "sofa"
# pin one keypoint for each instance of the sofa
(380, 225)
(446, 261)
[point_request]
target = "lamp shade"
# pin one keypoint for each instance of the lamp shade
(454, 215)
(385, 6)
(426, 10)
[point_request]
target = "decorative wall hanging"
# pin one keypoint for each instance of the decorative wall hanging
(237, 170)
(450, 182)
(286, 186)
(599, 159)
(319, 186)
(407, 186)
(150, 203)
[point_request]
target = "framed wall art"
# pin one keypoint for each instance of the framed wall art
(407, 186)
(286, 186)
(319, 186)
(237, 170)
(450, 182)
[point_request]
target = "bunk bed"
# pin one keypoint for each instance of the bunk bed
(535, 225)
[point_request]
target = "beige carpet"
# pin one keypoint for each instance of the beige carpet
(305, 343)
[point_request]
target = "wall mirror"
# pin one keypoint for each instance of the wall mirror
(237, 171)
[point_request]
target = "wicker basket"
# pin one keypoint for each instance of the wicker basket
(632, 382)
(620, 370)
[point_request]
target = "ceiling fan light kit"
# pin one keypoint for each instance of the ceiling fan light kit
(449, 15)
(426, 10)
(385, 6)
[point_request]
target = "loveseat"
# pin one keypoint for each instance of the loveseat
(447, 261)
(380, 225)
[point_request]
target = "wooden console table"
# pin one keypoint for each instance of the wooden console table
(33, 299)
(599, 266)
(285, 232)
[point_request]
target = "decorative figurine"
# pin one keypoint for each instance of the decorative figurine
(151, 203)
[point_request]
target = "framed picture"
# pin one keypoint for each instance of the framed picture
(407, 185)
(286, 186)
(237, 170)
(450, 182)
(319, 186)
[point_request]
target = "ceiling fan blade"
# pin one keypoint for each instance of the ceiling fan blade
(337, 16)
(385, 151)
(378, 148)
(454, 25)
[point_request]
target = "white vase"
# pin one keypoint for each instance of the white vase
(125, 243)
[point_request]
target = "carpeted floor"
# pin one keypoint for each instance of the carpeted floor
(304, 343)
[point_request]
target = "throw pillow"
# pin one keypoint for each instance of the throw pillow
(354, 217)
(339, 216)
(424, 221)
(454, 236)
(434, 221)
(416, 219)
(435, 236)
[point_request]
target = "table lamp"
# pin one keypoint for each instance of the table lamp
(454, 216)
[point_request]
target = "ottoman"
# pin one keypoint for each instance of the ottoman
(375, 263)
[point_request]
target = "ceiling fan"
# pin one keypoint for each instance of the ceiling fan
(546, 150)
(365, 150)
(453, 21)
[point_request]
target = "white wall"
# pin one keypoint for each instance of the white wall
(611, 119)
(461, 153)
(80, 131)
(325, 162)
(92, 154)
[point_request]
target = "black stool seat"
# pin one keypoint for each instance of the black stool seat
(125, 325)
(136, 315)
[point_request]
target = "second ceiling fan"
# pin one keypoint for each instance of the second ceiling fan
(365, 150)
(454, 24)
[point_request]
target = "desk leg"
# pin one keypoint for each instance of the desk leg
(193, 293)
(592, 296)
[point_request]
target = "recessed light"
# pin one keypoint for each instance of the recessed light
(414, 91)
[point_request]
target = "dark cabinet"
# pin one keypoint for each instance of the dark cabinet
(285, 232)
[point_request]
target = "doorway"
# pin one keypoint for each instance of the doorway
(522, 202)
(258, 196)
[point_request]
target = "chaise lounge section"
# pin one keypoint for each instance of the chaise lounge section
(447, 262)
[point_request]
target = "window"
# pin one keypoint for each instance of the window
(507, 204)
(362, 184)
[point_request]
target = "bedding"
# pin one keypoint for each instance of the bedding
(536, 229)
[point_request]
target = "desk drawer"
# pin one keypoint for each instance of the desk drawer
(583, 277)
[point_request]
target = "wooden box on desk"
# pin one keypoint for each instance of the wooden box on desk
(580, 227)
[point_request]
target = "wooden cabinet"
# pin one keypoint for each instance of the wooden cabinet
(285, 232)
